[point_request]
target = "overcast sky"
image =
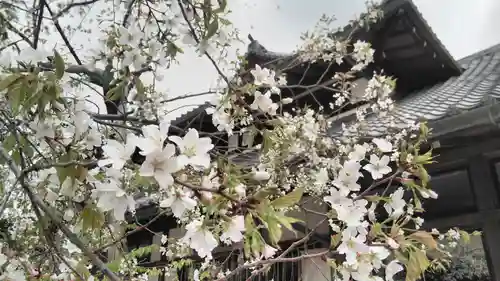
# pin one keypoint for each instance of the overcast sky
(463, 26)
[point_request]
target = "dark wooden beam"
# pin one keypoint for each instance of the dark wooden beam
(461, 149)
(402, 41)
(466, 221)
(486, 195)
(409, 54)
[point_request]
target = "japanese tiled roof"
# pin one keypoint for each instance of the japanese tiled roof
(478, 85)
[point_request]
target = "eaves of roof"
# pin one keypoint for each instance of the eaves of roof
(450, 106)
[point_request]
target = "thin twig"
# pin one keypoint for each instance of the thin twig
(63, 35)
(138, 229)
(280, 258)
(71, 6)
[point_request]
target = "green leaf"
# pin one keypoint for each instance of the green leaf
(212, 28)
(222, 6)
(92, 218)
(9, 80)
(335, 240)
(247, 246)
(424, 158)
(82, 269)
(81, 173)
(464, 236)
(173, 49)
(256, 243)
(224, 21)
(416, 265)
(476, 233)
(424, 130)
(68, 171)
(375, 198)
(16, 96)
(249, 224)
(289, 199)
(59, 62)
(145, 250)
(114, 265)
(207, 12)
(424, 238)
(264, 193)
(287, 222)
(274, 229)
(423, 176)
(33, 99)
(140, 87)
(376, 230)
(117, 92)
(9, 142)
(16, 156)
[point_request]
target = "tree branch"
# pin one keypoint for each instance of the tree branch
(188, 96)
(128, 13)
(63, 35)
(37, 201)
(71, 6)
(38, 24)
(15, 30)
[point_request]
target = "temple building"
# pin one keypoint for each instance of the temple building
(458, 99)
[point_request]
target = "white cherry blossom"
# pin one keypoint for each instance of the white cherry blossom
(392, 269)
(263, 76)
(268, 251)
(428, 193)
(240, 189)
(200, 239)
(322, 177)
(383, 144)
(395, 207)
(378, 167)
(261, 174)
(30, 55)
(179, 202)
(110, 197)
(358, 153)
(346, 180)
(68, 215)
(352, 214)
(161, 164)
(3, 259)
(131, 36)
(43, 128)
(351, 247)
(118, 154)
(154, 137)
(336, 199)
(133, 58)
(13, 273)
(93, 138)
(378, 255)
(71, 248)
(234, 231)
(194, 149)
(264, 103)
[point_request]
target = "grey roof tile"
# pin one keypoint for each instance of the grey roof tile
(478, 85)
